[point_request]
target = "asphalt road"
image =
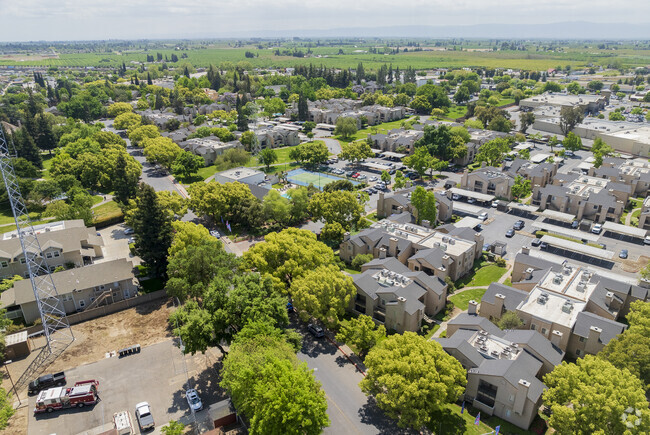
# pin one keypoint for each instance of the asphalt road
(350, 411)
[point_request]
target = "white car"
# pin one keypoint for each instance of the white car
(483, 216)
(495, 203)
(128, 231)
(455, 197)
(597, 228)
(193, 400)
(143, 414)
(373, 178)
(647, 240)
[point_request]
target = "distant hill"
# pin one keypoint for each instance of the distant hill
(565, 30)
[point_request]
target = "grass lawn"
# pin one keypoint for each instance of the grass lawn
(381, 128)
(461, 300)
(456, 112)
(107, 211)
(6, 217)
(432, 331)
(9, 228)
(508, 282)
(351, 271)
(453, 422)
(634, 220)
(505, 101)
(47, 165)
(372, 216)
(201, 175)
(486, 275)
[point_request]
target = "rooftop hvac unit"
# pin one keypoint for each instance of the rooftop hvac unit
(567, 271)
(443, 247)
(484, 333)
(389, 282)
(567, 307)
(557, 279)
(542, 299)
(580, 287)
(445, 239)
(452, 241)
(436, 244)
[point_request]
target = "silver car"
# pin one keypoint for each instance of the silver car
(194, 400)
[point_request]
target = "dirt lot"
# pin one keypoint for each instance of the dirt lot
(634, 266)
(145, 324)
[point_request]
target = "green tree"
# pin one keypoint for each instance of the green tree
(493, 152)
(521, 188)
(162, 150)
(187, 164)
(272, 388)
(288, 254)
(362, 333)
(153, 230)
(223, 201)
(322, 293)
(616, 116)
(77, 206)
(346, 127)
(600, 149)
(510, 320)
(411, 378)
(267, 157)
(339, 185)
(137, 135)
(592, 396)
(125, 181)
(526, 119)
(595, 85)
(332, 234)
(127, 121)
(339, 206)
(462, 95)
(359, 260)
(116, 109)
(273, 106)
(400, 181)
(425, 205)
(385, 177)
(420, 104)
(569, 118)
(6, 408)
(173, 203)
(186, 234)
(299, 197)
(311, 153)
(355, 151)
(276, 207)
(572, 142)
(500, 123)
(173, 428)
(420, 161)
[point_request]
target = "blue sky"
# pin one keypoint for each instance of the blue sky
(122, 19)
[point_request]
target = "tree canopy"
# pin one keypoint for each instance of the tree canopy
(411, 378)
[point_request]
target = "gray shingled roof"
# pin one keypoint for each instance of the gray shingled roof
(475, 323)
(524, 367)
(433, 256)
(390, 263)
(610, 328)
(513, 296)
(537, 343)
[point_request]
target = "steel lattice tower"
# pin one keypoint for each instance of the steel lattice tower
(55, 324)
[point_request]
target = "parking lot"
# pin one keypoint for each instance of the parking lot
(158, 375)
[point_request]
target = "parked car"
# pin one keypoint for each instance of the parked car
(495, 204)
(355, 175)
(373, 178)
(596, 229)
(45, 382)
(215, 233)
(536, 242)
(193, 400)
(471, 200)
(315, 330)
(128, 231)
(575, 224)
(455, 197)
(623, 254)
(392, 171)
(510, 232)
(487, 246)
(543, 245)
(646, 240)
(143, 414)
(518, 225)
(483, 216)
(568, 153)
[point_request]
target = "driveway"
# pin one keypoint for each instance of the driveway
(116, 245)
(350, 411)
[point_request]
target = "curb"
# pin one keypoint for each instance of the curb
(347, 356)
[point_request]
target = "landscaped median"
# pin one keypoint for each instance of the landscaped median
(540, 234)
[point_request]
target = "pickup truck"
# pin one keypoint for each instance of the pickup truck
(143, 414)
(45, 382)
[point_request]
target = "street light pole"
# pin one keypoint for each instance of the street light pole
(13, 386)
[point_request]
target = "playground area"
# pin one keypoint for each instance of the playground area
(302, 177)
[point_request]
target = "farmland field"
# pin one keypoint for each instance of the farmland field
(340, 56)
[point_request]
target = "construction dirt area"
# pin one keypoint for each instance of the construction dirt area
(144, 324)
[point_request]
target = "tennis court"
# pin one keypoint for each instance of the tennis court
(302, 177)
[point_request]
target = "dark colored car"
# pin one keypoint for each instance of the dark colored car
(45, 382)
(536, 242)
(510, 232)
(315, 330)
(543, 245)
(623, 253)
(518, 225)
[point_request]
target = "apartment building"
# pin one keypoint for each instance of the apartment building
(632, 172)
(585, 197)
(400, 201)
(489, 181)
(444, 253)
(209, 147)
(397, 297)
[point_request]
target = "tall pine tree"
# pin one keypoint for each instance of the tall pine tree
(26, 147)
(303, 108)
(46, 139)
(153, 230)
(125, 184)
(242, 119)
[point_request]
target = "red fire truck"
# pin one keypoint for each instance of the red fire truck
(83, 393)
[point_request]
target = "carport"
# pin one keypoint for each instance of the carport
(464, 208)
(539, 158)
(624, 230)
(377, 167)
(521, 208)
(578, 249)
(392, 155)
(558, 216)
(469, 194)
(562, 231)
(468, 222)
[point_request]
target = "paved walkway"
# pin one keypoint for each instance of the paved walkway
(628, 218)
(457, 311)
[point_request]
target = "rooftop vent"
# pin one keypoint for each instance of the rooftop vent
(557, 279)
(567, 307)
(542, 299)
